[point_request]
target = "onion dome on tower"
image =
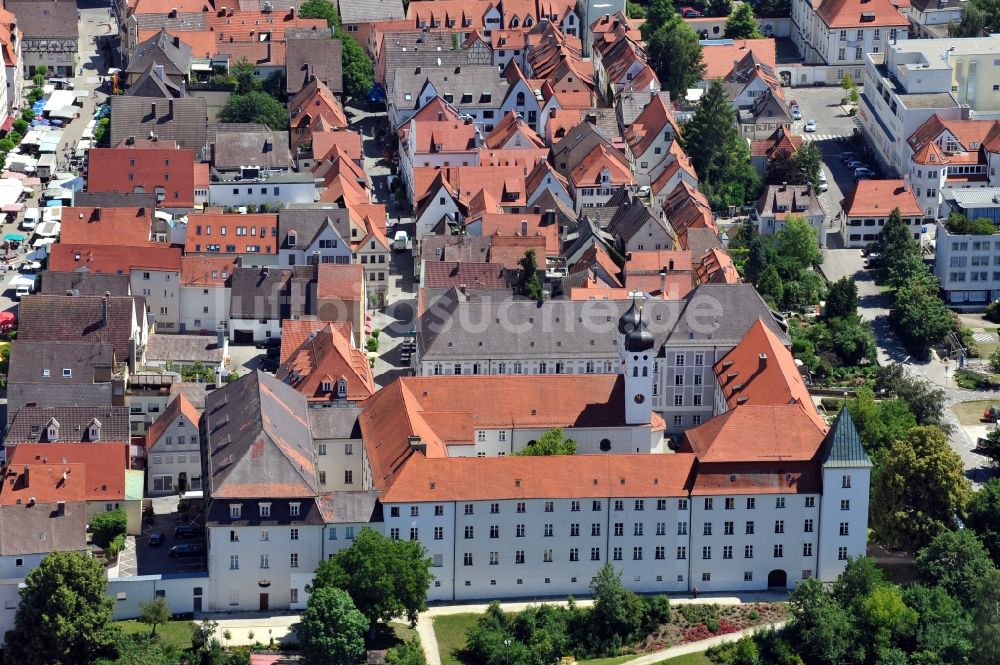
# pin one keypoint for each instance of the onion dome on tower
(638, 339)
(630, 320)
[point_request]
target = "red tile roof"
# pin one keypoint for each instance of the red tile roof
(344, 282)
(588, 172)
(719, 58)
(104, 466)
(433, 136)
(969, 133)
(206, 271)
(522, 224)
(43, 483)
(106, 226)
(295, 331)
(572, 476)
(783, 433)
(506, 131)
(507, 251)
(126, 168)
(217, 228)
(652, 121)
(772, 146)
(716, 267)
(325, 358)
(850, 13)
(113, 259)
(758, 478)
(595, 257)
(878, 198)
(313, 102)
(347, 140)
(179, 407)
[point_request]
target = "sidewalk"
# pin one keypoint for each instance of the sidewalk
(696, 647)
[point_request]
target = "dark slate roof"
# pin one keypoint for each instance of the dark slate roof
(41, 529)
(115, 200)
(161, 49)
(183, 120)
(308, 222)
(258, 441)
(335, 423)
(842, 446)
(232, 149)
(88, 362)
(467, 84)
(312, 53)
(89, 395)
(425, 49)
(700, 241)
(86, 283)
(579, 141)
(75, 318)
(630, 218)
(149, 84)
(272, 293)
(351, 507)
(722, 314)
(29, 423)
(45, 18)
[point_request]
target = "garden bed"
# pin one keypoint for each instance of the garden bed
(695, 622)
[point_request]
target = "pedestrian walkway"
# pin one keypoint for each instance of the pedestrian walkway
(698, 647)
(127, 563)
(811, 136)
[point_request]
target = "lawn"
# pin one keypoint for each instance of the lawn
(403, 632)
(388, 636)
(176, 633)
(690, 659)
(969, 413)
(615, 660)
(450, 631)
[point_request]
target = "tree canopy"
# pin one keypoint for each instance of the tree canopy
(528, 283)
(64, 615)
(551, 442)
(798, 243)
(331, 631)
(674, 51)
(919, 490)
(955, 560)
(742, 24)
(842, 298)
(959, 224)
(982, 515)
(359, 74)
(719, 155)
(257, 107)
(385, 578)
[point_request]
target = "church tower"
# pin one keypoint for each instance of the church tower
(635, 351)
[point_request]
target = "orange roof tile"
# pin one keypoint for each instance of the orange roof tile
(516, 477)
(758, 478)
(716, 267)
(126, 168)
(879, 197)
(295, 331)
(46, 482)
(719, 58)
(507, 251)
(217, 228)
(179, 407)
(203, 43)
(433, 136)
(595, 257)
(313, 102)
(853, 13)
(104, 466)
(513, 128)
(106, 226)
(522, 224)
(772, 146)
(649, 125)
(757, 434)
(969, 133)
(345, 282)
(206, 271)
(588, 172)
(113, 259)
(321, 361)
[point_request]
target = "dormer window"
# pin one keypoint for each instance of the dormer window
(292, 237)
(326, 386)
(94, 430)
(52, 430)
(294, 509)
(342, 388)
(67, 373)
(265, 510)
(235, 511)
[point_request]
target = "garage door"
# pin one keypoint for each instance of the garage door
(243, 336)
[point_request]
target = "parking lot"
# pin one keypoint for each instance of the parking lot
(156, 559)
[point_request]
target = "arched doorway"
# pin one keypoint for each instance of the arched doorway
(777, 579)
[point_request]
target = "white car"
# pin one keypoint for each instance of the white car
(796, 114)
(823, 182)
(810, 126)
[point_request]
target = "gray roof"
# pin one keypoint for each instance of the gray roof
(460, 248)
(258, 441)
(936, 5)
(350, 507)
(91, 318)
(28, 424)
(41, 528)
(335, 423)
(162, 49)
(115, 200)
(632, 102)
(233, 149)
(588, 233)
(721, 314)
(700, 240)
(87, 362)
(184, 349)
(183, 120)
(977, 197)
(195, 392)
(467, 86)
(272, 293)
(842, 446)
(630, 218)
(149, 84)
(86, 283)
(369, 11)
(308, 222)
(798, 199)
(411, 49)
(46, 18)
(97, 395)
(181, 23)
(579, 142)
(313, 53)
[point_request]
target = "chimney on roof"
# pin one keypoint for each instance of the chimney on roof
(524, 227)
(24, 475)
(291, 13)
(663, 281)
(60, 508)
(104, 307)
(762, 361)
(416, 444)
(31, 501)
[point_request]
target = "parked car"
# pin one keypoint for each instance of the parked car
(847, 156)
(823, 183)
(186, 550)
(643, 191)
(156, 538)
(810, 125)
(864, 171)
(188, 531)
(856, 164)
(268, 343)
(796, 113)
(690, 12)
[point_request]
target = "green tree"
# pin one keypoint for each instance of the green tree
(782, 169)
(955, 560)
(385, 578)
(842, 299)
(255, 107)
(809, 160)
(982, 515)
(894, 243)
(959, 224)
(242, 71)
(986, 620)
(618, 612)
(861, 576)
(719, 7)
(719, 155)
(943, 633)
(154, 612)
(274, 84)
(926, 402)
(551, 442)
(820, 628)
(774, 8)
(64, 615)
(884, 619)
(760, 255)
(741, 23)
(528, 284)
(770, 285)
(920, 317)
(21, 126)
(879, 423)
(989, 445)
(39, 78)
(797, 242)
(320, 9)
(331, 630)
(675, 55)
(658, 14)
(850, 88)
(919, 490)
(408, 653)
(108, 526)
(359, 75)
(972, 23)
(634, 10)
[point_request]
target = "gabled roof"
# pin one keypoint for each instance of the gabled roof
(29, 423)
(207, 271)
(632, 216)
(779, 201)
(781, 140)
(313, 101)
(45, 20)
(327, 357)
(453, 274)
(654, 120)
(161, 49)
(589, 171)
(106, 226)
(184, 120)
(719, 57)
(880, 197)
(687, 208)
(780, 433)
(716, 267)
(969, 133)
(103, 465)
(861, 14)
(179, 407)
(42, 528)
(149, 84)
(311, 53)
(259, 444)
(509, 126)
(78, 318)
(120, 259)
(679, 162)
(842, 447)
(597, 257)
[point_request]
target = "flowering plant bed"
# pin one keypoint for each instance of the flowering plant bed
(696, 622)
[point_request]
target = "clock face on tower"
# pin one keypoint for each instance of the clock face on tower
(639, 399)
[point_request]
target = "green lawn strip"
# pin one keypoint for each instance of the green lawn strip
(615, 660)
(176, 633)
(450, 630)
(403, 632)
(970, 413)
(688, 659)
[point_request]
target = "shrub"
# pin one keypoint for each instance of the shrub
(753, 615)
(372, 344)
(712, 624)
(993, 311)
(115, 547)
(108, 526)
